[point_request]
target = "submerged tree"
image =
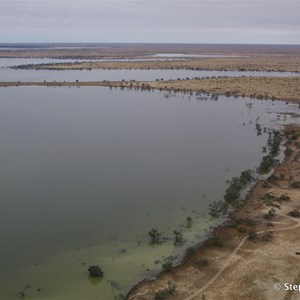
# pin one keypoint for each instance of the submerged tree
(258, 129)
(178, 236)
(95, 271)
(154, 235)
(189, 222)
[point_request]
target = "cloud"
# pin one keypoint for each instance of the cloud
(169, 20)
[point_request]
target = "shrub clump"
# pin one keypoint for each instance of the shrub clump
(295, 213)
(232, 193)
(269, 161)
(271, 214)
(237, 184)
(252, 236)
(167, 267)
(95, 271)
(269, 199)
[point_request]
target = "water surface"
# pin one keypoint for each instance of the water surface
(184, 55)
(87, 172)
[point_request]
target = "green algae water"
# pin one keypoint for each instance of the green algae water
(87, 172)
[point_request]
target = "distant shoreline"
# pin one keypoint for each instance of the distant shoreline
(99, 50)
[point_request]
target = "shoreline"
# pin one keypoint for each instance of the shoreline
(251, 63)
(207, 261)
(273, 88)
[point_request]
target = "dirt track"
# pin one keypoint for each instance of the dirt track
(225, 265)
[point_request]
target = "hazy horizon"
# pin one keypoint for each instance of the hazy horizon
(95, 43)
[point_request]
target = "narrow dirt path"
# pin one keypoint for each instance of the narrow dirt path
(227, 262)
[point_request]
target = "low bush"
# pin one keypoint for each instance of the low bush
(252, 235)
(270, 215)
(267, 236)
(295, 213)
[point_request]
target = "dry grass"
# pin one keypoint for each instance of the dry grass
(257, 87)
(285, 88)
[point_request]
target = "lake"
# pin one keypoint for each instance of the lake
(87, 172)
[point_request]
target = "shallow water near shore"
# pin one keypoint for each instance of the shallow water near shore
(87, 172)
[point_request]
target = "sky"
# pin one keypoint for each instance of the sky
(164, 21)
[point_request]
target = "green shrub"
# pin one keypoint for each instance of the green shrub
(268, 199)
(237, 184)
(167, 267)
(268, 162)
